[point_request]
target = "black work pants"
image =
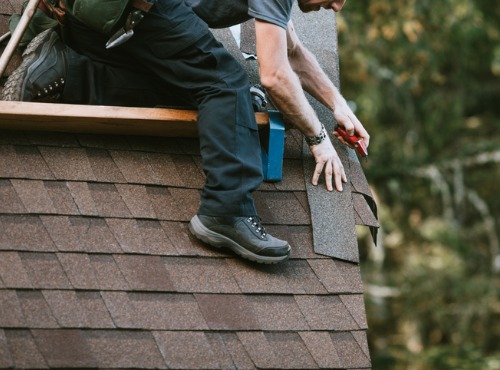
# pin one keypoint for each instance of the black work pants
(179, 63)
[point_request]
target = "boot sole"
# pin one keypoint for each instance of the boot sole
(13, 90)
(220, 241)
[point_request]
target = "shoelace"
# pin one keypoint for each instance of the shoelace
(52, 88)
(254, 221)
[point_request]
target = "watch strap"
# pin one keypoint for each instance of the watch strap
(315, 140)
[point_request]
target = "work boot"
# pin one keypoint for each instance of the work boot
(41, 76)
(243, 235)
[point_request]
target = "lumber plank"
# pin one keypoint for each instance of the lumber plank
(102, 119)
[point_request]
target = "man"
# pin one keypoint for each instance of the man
(287, 68)
(170, 51)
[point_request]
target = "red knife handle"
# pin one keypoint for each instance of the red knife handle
(358, 143)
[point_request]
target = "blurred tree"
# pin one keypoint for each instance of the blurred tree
(425, 77)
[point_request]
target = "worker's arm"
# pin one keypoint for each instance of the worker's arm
(284, 87)
(315, 81)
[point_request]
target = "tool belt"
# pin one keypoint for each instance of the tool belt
(100, 15)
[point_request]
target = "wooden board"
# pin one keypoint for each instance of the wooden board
(102, 119)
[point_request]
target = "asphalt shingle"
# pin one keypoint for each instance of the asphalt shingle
(145, 273)
(36, 311)
(79, 270)
(68, 163)
(227, 312)
(34, 196)
(208, 275)
(64, 348)
(24, 233)
(32, 163)
(124, 349)
(322, 349)
(338, 276)
(80, 234)
(186, 350)
(5, 356)
(9, 163)
(326, 313)
(45, 271)
(24, 351)
(108, 273)
(12, 316)
(13, 272)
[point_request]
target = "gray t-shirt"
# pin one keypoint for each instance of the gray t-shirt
(226, 13)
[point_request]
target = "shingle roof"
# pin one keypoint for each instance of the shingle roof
(98, 269)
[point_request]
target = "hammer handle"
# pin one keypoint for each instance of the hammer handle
(17, 34)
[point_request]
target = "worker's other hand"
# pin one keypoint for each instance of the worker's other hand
(351, 124)
(328, 161)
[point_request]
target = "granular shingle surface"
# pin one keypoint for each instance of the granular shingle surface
(99, 270)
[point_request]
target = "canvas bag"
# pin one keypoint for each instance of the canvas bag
(99, 15)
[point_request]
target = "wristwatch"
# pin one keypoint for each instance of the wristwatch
(315, 140)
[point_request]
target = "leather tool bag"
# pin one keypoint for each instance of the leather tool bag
(54, 9)
(99, 15)
(104, 15)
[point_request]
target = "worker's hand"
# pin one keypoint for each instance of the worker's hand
(327, 160)
(346, 118)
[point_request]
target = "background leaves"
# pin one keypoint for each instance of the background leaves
(425, 79)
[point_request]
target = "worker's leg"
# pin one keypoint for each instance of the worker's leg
(100, 77)
(51, 71)
(95, 83)
(174, 45)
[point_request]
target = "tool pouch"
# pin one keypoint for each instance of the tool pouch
(99, 15)
(54, 9)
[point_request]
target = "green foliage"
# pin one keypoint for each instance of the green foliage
(422, 69)
(425, 77)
